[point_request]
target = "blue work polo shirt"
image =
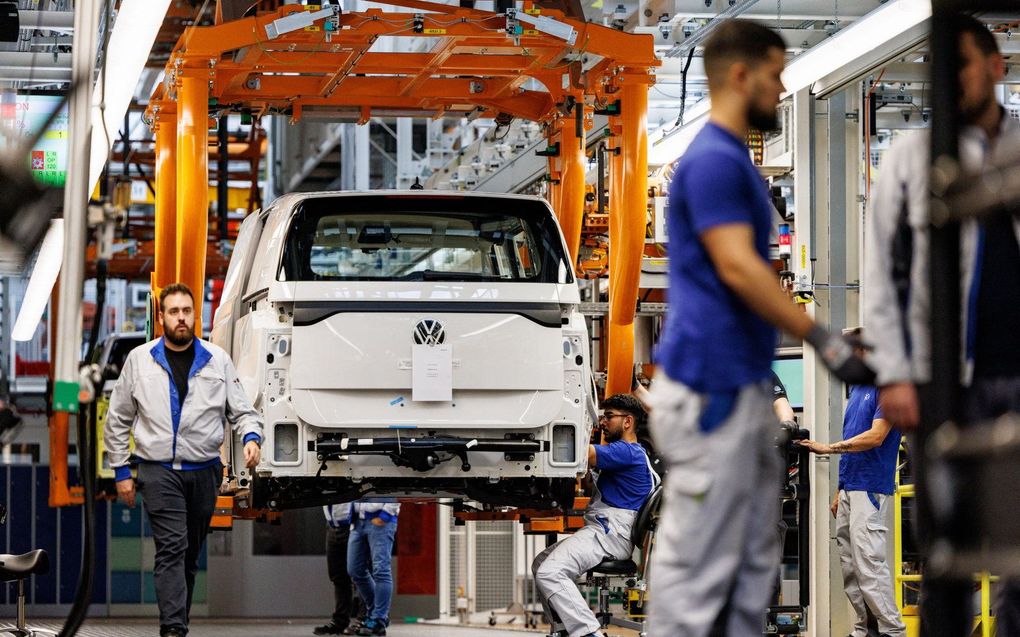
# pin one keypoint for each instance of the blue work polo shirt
(873, 470)
(712, 341)
(625, 476)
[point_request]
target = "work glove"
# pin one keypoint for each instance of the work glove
(837, 353)
(789, 431)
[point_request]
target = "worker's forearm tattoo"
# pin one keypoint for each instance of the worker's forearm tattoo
(843, 446)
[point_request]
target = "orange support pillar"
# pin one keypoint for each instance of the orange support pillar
(193, 186)
(627, 230)
(166, 204)
(618, 341)
(571, 204)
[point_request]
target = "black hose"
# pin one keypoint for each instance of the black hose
(683, 88)
(101, 269)
(600, 178)
(86, 472)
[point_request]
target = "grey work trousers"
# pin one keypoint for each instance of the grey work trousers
(861, 531)
(557, 568)
(716, 551)
(179, 505)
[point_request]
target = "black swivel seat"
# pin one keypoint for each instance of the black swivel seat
(18, 568)
(643, 537)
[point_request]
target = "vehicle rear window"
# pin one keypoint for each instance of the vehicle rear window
(423, 244)
(119, 350)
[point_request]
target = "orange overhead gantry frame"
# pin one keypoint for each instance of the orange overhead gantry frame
(531, 63)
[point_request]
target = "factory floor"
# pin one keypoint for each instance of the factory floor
(278, 628)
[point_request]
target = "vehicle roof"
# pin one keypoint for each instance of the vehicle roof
(126, 335)
(290, 199)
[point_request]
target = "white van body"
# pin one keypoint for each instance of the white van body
(415, 343)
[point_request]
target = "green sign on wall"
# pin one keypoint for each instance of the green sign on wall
(21, 117)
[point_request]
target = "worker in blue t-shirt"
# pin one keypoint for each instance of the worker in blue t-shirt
(867, 479)
(717, 553)
(623, 478)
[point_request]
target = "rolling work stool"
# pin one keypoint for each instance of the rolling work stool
(19, 568)
(643, 536)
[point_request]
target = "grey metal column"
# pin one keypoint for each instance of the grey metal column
(821, 258)
(405, 139)
(833, 243)
(362, 157)
(836, 241)
(76, 197)
(810, 154)
(6, 345)
(347, 158)
(273, 163)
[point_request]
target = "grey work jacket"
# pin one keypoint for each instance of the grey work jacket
(897, 306)
(145, 402)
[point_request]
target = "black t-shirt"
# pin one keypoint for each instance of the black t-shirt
(778, 389)
(997, 335)
(180, 366)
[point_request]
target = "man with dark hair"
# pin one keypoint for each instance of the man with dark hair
(623, 480)
(748, 44)
(897, 302)
(631, 406)
(717, 553)
(175, 394)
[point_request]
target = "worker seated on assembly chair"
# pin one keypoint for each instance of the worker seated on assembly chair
(623, 479)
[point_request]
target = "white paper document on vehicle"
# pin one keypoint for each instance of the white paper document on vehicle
(432, 373)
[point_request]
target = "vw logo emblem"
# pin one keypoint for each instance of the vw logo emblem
(429, 332)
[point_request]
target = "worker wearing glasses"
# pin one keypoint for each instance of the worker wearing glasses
(622, 478)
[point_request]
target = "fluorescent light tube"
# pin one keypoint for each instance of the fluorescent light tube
(40, 286)
(860, 38)
(134, 32)
(876, 29)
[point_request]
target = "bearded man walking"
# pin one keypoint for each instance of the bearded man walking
(175, 394)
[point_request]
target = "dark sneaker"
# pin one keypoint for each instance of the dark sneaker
(371, 627)
(172, 632)
(332, 628)
(352, 628)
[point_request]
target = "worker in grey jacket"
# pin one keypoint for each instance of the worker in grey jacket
(897, 299)
(176, 394)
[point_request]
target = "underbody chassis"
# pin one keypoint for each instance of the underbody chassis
(299, 492)
(423, 453)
